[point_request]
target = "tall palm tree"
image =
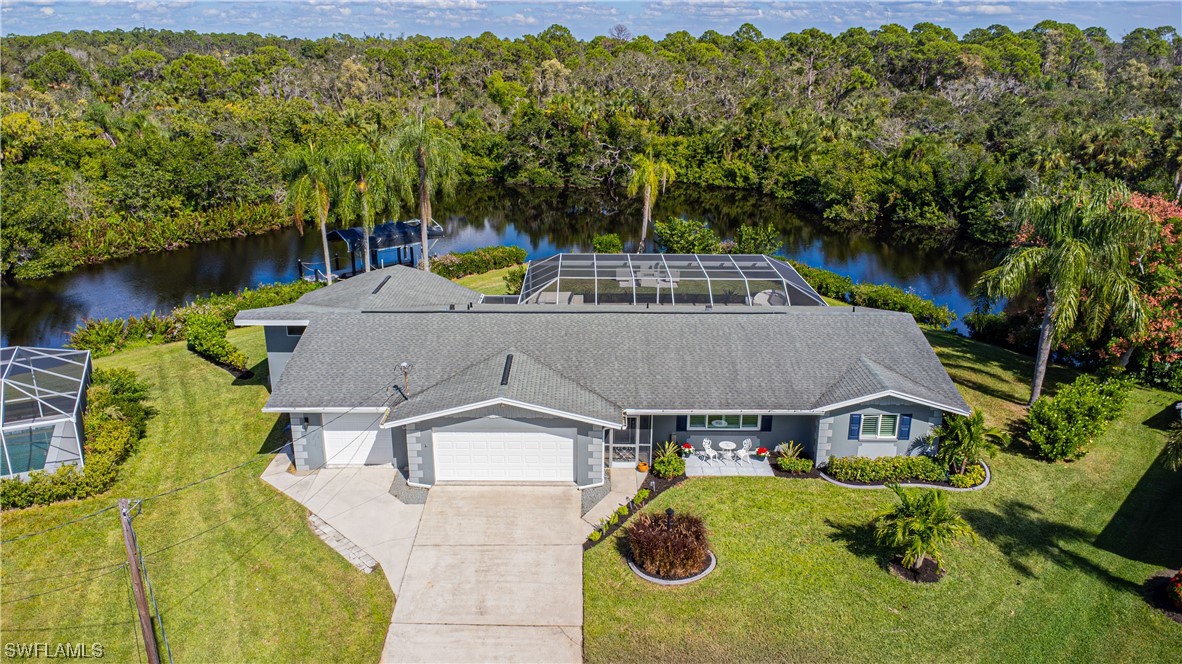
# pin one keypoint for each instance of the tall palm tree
(308, 172)
(1076, 249)
(920, 525)
(647, 175)
(371, 184)
(425, 143)
(964, 440)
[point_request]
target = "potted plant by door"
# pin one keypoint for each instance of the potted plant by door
(686, 450)
(642, 466)
(761, 453)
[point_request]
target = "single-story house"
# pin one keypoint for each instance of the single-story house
(41, 408)
(600, 358)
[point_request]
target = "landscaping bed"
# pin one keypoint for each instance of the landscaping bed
(1157, 594)
(907, 471)
(655, 487)
(812, 474)
(928, 572)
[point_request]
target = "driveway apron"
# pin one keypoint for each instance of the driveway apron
(495, 575)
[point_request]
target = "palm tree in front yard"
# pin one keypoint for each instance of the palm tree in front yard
(1077, 250)
(426, 144)
(964, 440)
(920, 525)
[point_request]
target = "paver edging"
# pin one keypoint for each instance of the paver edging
(675, 582)
(913, 485)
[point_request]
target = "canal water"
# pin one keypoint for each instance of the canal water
(543, 222)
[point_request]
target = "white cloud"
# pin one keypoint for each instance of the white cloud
(48, 11)
(985, 10)
(520, 19)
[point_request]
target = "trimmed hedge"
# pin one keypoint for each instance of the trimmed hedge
(478, 261)
(794, 464)
(206, 333)
(1065, 426)
(115, 420)
(886, 469)
(104, 337)
(878, 296)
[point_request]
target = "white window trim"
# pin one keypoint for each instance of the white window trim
(878, 427)
(708, 416)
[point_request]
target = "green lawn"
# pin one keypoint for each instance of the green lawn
(489, 283)
(245, 579)
(1055, 576)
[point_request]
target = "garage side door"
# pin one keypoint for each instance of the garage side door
(348, 439)
(504, 456)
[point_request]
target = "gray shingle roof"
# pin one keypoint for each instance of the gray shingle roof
(789, 359)
(529, 382)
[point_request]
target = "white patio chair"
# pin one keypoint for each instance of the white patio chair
(744, 452)
(708, 453)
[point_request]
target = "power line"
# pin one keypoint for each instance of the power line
(64, 574)
(72, 585)
(59, 526)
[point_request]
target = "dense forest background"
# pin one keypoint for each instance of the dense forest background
(116, 142)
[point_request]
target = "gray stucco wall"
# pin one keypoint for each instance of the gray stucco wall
(588, 457)
(280, 346)
(833, 435)
(307, 441)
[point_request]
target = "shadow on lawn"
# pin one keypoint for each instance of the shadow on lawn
(277, 436)
(257, 375)
(858, 539)
(1146, 526)
(1024, 536)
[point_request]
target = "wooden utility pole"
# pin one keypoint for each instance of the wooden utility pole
(137, 583)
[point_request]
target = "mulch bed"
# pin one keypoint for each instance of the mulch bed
(1155, 593)
(709, 559)
(929, 571)
(656, 486)
(813, 474)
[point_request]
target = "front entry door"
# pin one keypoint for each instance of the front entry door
(631, 445)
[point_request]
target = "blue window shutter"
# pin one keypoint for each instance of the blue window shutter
(765, 423)
(682, 423)
(904, 427)
(855, 426)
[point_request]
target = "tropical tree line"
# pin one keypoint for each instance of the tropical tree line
(121, 141)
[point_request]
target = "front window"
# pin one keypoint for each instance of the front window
(724, 422)
(880, 426)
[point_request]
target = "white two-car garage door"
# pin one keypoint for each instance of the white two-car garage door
(504, 456)
(348, 439)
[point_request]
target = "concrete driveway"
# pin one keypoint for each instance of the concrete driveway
(495, 575)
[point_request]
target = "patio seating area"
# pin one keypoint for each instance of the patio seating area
(697, 466)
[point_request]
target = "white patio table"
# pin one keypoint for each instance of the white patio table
(728, 448)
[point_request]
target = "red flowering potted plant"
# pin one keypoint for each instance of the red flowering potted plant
(686, 450)
(1174, 590)
(761, 453)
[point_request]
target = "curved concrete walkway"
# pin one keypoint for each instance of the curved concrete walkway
(495, 575)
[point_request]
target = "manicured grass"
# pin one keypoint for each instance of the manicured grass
(245, 578)
(489, 283)
(1056, 573)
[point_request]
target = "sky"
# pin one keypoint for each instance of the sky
(585, 18)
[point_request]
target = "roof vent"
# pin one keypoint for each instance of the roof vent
(508, 367)
(451, 307)
(379, 286)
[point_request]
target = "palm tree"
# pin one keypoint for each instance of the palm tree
(964, 440)
(371, 183)
(1076, 249)
(920, 525)
(437, 155)
(1172, 454)
(308, 173)
(647, 174)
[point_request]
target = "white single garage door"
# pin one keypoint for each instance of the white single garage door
(497, 456)
(348, 439)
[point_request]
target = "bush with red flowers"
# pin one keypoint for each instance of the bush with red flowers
(1174, 589)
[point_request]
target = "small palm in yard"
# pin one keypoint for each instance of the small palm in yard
(920, 525)
(1172, 455)
(965, 440)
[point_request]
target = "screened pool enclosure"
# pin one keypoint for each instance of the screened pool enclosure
(41, 408)
(712, 280)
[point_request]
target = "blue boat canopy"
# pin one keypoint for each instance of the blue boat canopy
(384, 236)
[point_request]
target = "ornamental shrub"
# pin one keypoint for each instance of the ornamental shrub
(883, 296)
(1174, 590)
(675, 551)
(794, 464)
(668, 466)
(972, 476)
(829, 284)
(886, 469)
(206, 333)
(609, 243)
(478, 261)
(514, 279)
(1066, 425)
